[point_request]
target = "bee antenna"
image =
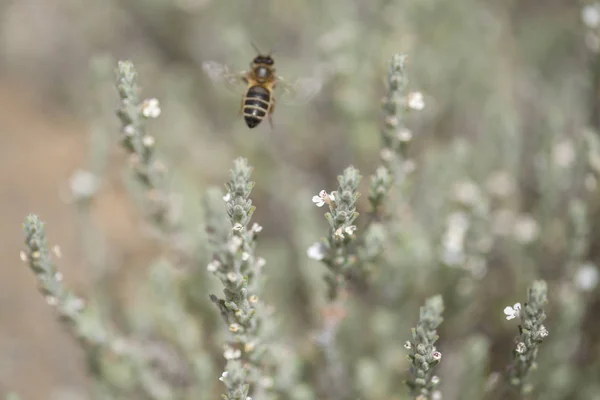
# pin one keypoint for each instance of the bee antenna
(256, 48)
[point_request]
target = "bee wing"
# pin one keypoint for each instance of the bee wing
(222, 76)
(298, 91)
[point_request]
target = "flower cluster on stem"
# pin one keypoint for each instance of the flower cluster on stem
(334, 250)
(423, 355)
(148, 170)
(238, 268)
(531, 334)
(396, 137)
(84, 321)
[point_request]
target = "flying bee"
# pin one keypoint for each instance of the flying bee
(258, 100)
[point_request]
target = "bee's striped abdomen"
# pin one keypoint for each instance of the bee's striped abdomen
(256, 105)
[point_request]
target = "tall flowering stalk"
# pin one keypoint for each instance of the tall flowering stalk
(149, 172)
(532, 333)
(237, 266)
(117, 362)
(334, 250)
(423, 355)
(395, 136)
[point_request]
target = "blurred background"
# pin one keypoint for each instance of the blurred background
(505, 152)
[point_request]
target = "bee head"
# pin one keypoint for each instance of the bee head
(260, 59)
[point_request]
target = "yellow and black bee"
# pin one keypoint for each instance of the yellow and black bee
(258, 101)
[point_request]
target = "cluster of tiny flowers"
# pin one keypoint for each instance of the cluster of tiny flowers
(151, 108)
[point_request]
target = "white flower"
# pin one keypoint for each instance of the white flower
(213, 266)
(256, 228)
(232, 354)
(543, 332)
(23, 256)
(148, 141)
(416, 101)
(586, 277)
(350, 230)
(316, 251)
(238, 227)
(57, 251)
(437, 395)
(521, 348)
(323, 198)
(437, 355)
(260, 262)
(245, 256)
(223, 376)
(338, 233)
(232, 276)
(512, 312)
(404, 135)
(407, 345)
(83, 184)
(151, 108)
(234, 244)
(129, 130)
(227, 197)
(51, 300)
(435, 379)
(590, 15)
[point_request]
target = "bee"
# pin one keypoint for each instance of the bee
(258, 99)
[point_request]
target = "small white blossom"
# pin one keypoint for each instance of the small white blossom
(223, 376)
(338, 233)
(232, 354)
(521, 348)
(386, 154)
(213, 266)
(543, 332)
(235, 327)
(590, 15)
(350, 230)
(148, 141)
(435, 379)
(256, 228)
(245, 256)
(227, 197)
(56, 250)
(234, 244)
(316, 251)
(436, 355)
(232, 276)
(58, 277)
(238, 227)
(129, 130)
(407, 345)
(512, 312)
(78, 304)
(404, 135)
(51, 300)
(23, 256)
(586, 277)
(83, 184)
(322, 198)
(416, 101)
(260, 262)
(151, 108)
(437, 395)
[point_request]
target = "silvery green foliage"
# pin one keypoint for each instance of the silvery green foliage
(238, 269)
(532, 333)
(394, 134)
(334, 250)
(148, 171)
(423, 355)
(120, 365)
